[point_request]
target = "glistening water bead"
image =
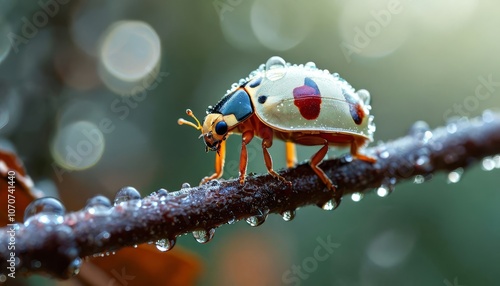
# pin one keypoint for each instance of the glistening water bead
(288, 215)
(47, 205)
(127, 194)
(165, 244)
(203, 236)
(98, 205)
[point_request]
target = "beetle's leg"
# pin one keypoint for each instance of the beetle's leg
(247, 136)
(315, 160)
(219, 163)
(267, 142)
(291, 154)
(355, 145)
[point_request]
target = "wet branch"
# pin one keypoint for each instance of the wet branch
(53, 247)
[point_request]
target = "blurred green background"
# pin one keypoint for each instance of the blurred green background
(65, 70)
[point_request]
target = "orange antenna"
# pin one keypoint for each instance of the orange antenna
(182, 121)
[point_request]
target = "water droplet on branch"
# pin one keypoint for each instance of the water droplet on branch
(127, 194)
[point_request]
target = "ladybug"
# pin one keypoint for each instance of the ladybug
(299, 104)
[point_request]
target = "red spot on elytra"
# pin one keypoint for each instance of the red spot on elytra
(307, 98)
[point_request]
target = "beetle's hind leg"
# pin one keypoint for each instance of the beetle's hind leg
(356, 144)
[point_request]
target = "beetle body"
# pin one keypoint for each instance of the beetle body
(294, 103)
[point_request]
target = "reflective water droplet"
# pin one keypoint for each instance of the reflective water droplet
(364, 96)
(418, 129)
(127, 194)
(335, 75)
(386, 189)
(330, 205)
(165, 244)
(496, 159)
(185, 186)
(488, 164)
(455, 176)
(203, 236)
(488, 116)
(371, 125)
(46, 205)
(347, 158)
(310, 65)
(275, 62)
(162, 193)
(275, 68)
(384, 155)
(98, 205)
(232, 221)
(451, 128)
(356, 197)
(135, 246)
(74, 267)
(257, 220)
(288, 215)
(419, 179)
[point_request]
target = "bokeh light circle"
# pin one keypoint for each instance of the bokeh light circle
(78, 145)
(279, 25)
(129, 56)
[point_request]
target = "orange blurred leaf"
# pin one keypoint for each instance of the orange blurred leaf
(144, 265)
(16, 189)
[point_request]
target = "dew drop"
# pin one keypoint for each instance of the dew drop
(455, 176)
(335, 75)
(371, 125)
(451, 128)
(356, 197)
(185, 186)
(203, 236)
(275, 68)
(74, 267)
(386, 189)
(162, 193)
(347, 158)
(418, 129)
(488, 116)
(419, 179)
(310, 65)
(275, 62)
(256, 220)
(127, 194)
(496, 159)
(330, 205)
(384, 155)
(288, 215)
(488, 164)
(98, 205)
(48, 205)
(165, 244)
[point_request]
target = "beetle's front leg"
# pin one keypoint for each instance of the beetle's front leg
(219, 163)
(246, 137)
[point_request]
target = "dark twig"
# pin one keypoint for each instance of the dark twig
(49, 246)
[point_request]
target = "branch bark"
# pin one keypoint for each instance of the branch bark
(53, 246)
